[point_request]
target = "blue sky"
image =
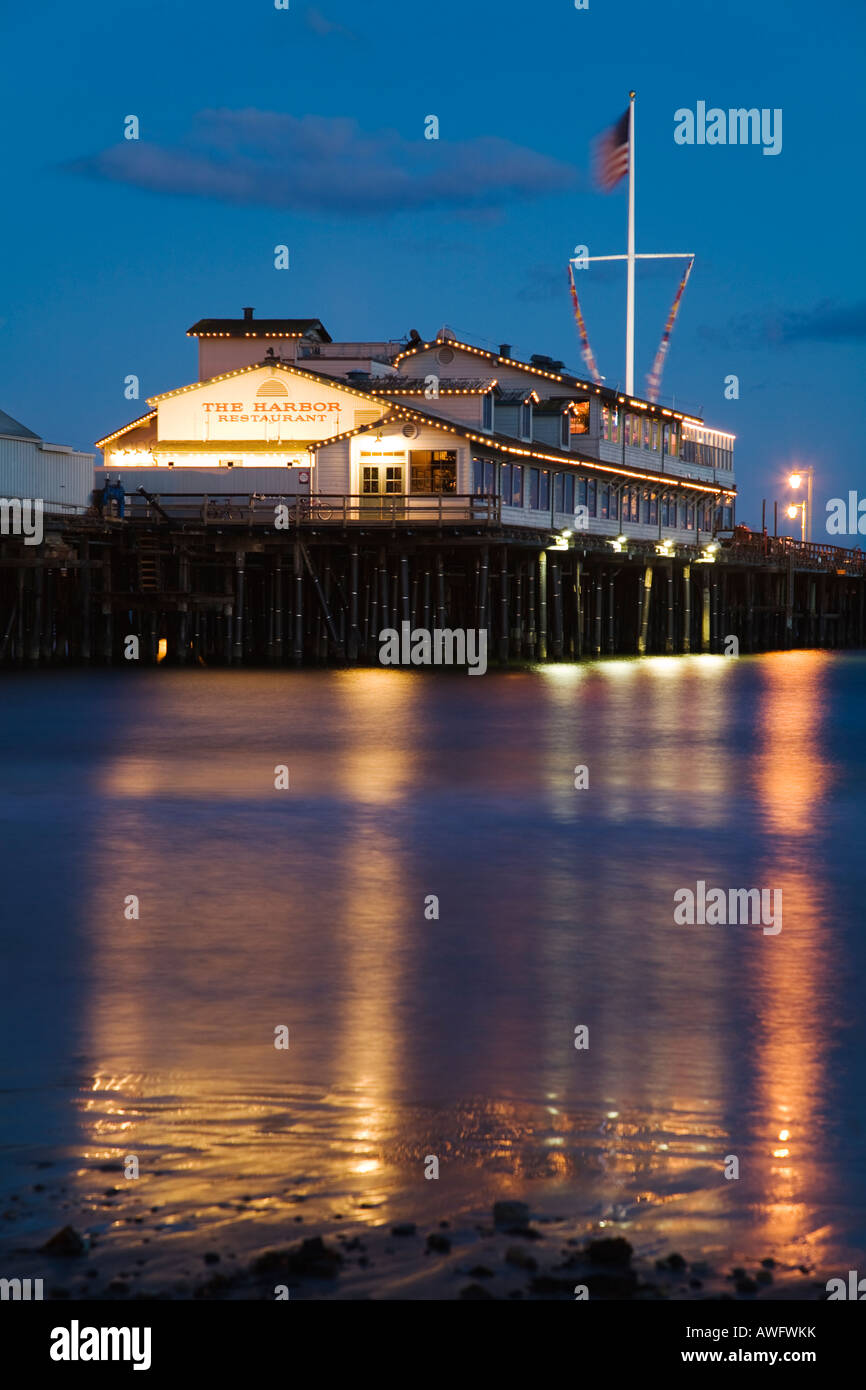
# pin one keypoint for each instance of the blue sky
(305, 127)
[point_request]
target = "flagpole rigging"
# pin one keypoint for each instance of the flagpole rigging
(629, 314)
(615, 159)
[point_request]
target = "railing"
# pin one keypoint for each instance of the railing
(803, 554)
(261, 509)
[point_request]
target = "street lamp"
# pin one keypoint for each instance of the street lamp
(795, 481)
(800, 507)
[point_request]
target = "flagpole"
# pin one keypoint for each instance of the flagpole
(629, 315)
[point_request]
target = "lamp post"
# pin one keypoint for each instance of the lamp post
(800, 507)
(795, 481)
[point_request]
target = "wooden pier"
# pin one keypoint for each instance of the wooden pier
(219, 584)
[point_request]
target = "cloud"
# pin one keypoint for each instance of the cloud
(320, 24)
(826, 322)
(326, 165)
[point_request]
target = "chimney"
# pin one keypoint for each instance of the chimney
(248, 315)
(504, 349)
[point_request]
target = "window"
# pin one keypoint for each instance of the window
(558, 491)
(604, 501)
(610, 423)
(655, 435)
(525, 421)
(483, 478)
(568, 497)
(652, 509)
(544, 490)
(394, 477)
(433, 470)
(690, 516)
(369, 478)
(579, 418)
(564, 430)
(646, 432)
(614, 503)
(581, 492)
(532, 488)
(505, 478)
(517, 485)
(487, 411)
(630, 503)
(591, 496)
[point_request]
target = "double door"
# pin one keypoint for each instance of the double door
(382, 487)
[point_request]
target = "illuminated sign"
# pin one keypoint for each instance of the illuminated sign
(258, 412)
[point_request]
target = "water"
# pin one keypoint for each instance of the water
(452, 1036)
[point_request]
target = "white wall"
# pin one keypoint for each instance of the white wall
(62, 477)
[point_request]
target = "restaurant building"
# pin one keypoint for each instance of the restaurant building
(415, 428)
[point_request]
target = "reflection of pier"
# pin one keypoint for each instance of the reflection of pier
(251, 579)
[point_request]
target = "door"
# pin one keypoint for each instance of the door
(382, 490)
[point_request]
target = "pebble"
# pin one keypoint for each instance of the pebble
(65, 1242)
(510, 1213)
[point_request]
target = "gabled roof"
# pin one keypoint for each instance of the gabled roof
(566, 378)
(13, 428)
(260, 328)
(124, 429)
(273, 364)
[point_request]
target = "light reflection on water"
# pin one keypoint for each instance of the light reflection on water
(453, 1036)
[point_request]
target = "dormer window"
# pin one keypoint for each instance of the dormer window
(526, 420)
(487, 411)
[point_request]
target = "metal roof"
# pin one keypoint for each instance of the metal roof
(8, 426)
(410, 385)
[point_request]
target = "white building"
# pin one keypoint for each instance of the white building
(31, 468)
(415, 429)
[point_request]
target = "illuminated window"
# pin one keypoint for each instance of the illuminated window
(544, 490)
(579, 418)
(433, 470)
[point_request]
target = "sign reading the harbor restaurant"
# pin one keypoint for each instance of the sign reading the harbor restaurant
(258, 405)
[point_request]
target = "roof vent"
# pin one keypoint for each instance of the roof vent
(540, 359)
(248, 315)
(504, 349)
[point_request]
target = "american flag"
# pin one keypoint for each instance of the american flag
(611, 154)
